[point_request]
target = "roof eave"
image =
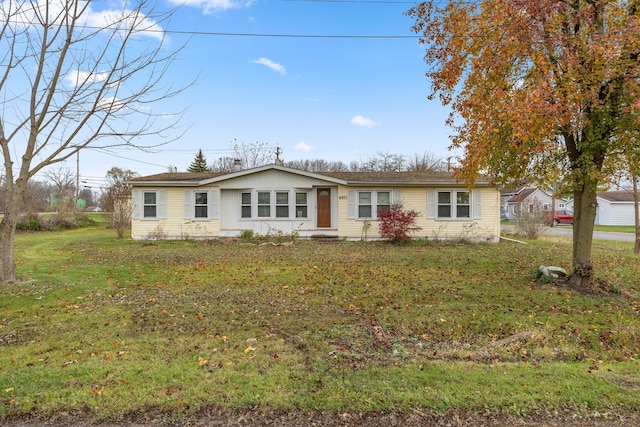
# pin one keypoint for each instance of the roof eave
(164, 183)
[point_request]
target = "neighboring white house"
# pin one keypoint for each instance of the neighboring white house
(615, 208)
(527, 198)
(277, 199)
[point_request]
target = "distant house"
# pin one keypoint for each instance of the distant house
(505, 195)
(615, 208)
(276, 199)
(528, 198)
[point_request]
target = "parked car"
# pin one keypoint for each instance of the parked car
(559, 217)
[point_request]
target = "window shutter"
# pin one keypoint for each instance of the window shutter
(397, 197)
(352, 208)
(477, 204)
(431, 203)
(188, 204)
(136, 199)
(162, 204)
(213, 204)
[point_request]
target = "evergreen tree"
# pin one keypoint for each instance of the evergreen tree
(199, 164)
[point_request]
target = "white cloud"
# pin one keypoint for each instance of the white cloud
(136, 20)
(111, 104)
(212, 6)
(270, 64)
(76, 78)
(116, 19)
(362, 121)
(303, 146)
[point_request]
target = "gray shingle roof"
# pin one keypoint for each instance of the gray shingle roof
(616, 196)
(354, 178)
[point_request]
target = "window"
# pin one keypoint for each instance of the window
(282, 204)
(201, 204)
(444, 204)
(383, 201)
(264, 204)
(463, 208)
(150, 204)
(371, 203)
(301, 205)
(274, 204)
(454, 204)
(246, 205)
(364, 204)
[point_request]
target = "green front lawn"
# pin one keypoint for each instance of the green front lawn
(115, 327)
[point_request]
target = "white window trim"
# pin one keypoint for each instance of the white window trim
(190, 206)
(296, 204)
(138, 204)
(280, 205)
(251, 208)
(273, 204)
(270, 205)
(353, 202)
(475, 206)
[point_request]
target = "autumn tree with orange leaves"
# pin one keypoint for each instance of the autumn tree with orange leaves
(534, 85)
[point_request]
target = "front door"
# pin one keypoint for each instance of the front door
(324, 208)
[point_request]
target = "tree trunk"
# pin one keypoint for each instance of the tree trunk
(7, 237)
(585, 203)
(15, 200)
(636, 211)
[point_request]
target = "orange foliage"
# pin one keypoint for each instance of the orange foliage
(538, 89)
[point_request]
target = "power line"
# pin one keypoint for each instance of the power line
(353, 1)
(293, 36)
(126, 158)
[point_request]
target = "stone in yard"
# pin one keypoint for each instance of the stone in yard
(553, 272)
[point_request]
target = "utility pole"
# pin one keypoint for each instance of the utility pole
(278, 152)
(553, 203)
(75, 207)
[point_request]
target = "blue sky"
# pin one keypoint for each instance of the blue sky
(328, 98)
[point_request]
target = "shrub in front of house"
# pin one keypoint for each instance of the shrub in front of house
(397, 224)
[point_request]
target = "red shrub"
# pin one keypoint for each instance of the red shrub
(396, 224)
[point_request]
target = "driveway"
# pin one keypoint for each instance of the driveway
(567, 231)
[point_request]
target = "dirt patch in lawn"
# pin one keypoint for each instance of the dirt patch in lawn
(258, 417)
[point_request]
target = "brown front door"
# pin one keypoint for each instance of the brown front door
(324, 207)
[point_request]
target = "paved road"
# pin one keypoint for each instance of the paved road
(566, 231)
(597, 235)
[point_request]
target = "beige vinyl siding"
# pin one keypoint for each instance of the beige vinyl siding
(486, 226)
(175, 226)
(271, 180)
(482, 226)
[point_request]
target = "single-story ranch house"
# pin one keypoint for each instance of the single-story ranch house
(275, 199)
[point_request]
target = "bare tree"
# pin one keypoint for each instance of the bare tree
(383, 162)
(426, 162)
(63, 184)
(87, 195)
(37, 196)
(253, 155)
(72, 77)
(223, 164)
(318, 165)
(3, 192)
(117, 187)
